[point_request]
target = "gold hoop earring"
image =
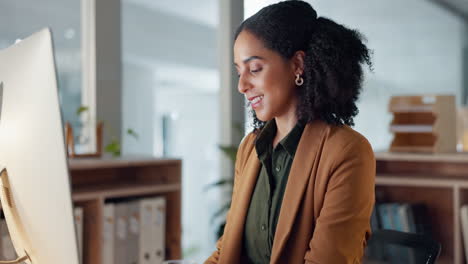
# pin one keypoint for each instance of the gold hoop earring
(299, 80)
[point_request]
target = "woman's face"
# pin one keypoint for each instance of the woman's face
(265, 78)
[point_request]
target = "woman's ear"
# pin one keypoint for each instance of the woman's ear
(298, 62)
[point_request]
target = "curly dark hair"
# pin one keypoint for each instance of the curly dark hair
(333, 63)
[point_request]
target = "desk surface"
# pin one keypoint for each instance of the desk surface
(459, 157)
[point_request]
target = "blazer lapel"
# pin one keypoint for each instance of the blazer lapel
(307, 150)
(238, 214)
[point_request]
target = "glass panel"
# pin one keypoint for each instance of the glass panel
(170, 99)
(21, 18)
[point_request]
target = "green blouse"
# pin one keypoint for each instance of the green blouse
(265, 203)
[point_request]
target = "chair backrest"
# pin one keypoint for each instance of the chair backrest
(401, 247)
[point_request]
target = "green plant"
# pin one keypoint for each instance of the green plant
(114, 147)
(230, 152)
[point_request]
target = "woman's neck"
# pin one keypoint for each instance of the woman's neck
(284, 125)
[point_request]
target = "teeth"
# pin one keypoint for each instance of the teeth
(257, 99)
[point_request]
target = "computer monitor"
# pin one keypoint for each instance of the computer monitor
(36, 196)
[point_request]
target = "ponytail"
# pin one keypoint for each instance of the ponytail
(333, 73)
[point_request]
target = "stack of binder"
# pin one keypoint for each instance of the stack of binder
(134, 232)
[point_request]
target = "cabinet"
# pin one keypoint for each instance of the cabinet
(95, 181)
(440, 181)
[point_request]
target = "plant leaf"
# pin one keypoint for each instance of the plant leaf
(113, 148)
(220, 211)
(229, 151)
(238, 127)
(191, 251)
(132, 133)
(81, 110)
(222, 182)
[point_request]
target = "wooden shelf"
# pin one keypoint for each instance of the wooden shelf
(415, 149)
(459, 157)
(441, 166)
(440, 181)
(123, 191)
(76, 164)
(96, 180)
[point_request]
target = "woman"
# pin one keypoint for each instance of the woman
(304, 180)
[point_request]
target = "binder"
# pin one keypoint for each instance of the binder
(108, 234)
(384, 216)
(78, 213)
(133, 232)
(120, 233)
(159, 229)
(152, 230)
(145, 241)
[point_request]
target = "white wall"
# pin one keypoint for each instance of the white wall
(170, 68)
(137, 109)
(465, 66)
(417, 49)
(152, 35)
(194, 137)
(21, 18)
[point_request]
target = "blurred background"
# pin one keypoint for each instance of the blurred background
(175, 90)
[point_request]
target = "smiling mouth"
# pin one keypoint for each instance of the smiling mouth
(256, 101)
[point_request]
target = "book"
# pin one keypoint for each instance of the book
(145, 240)
(159, 229)
(120, 233)
(375, 223)
(133, 232)
(152, 230)
(108, 234)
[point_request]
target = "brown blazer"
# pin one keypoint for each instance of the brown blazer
(327, 204)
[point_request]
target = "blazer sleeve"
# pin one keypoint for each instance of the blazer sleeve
(343, 225)
(240, 156)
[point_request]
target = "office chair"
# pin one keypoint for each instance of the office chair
(392, 246)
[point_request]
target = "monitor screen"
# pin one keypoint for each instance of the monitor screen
(36, 192)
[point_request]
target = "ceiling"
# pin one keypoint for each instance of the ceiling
(200, 11)
(457, 7)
